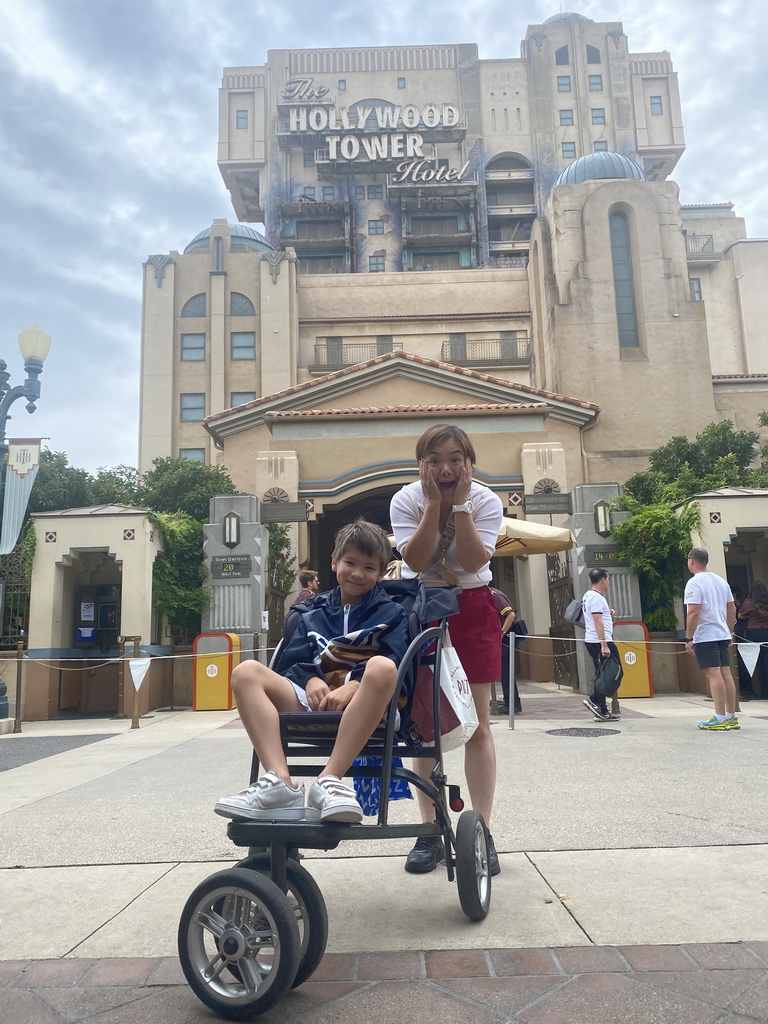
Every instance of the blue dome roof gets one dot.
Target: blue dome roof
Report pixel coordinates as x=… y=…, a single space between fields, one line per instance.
x=600 y=165
x=241 y=234
x=564 y=16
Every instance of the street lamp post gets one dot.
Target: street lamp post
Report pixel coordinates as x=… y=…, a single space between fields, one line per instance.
x=34 y=344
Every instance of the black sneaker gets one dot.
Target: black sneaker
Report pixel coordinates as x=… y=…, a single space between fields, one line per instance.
x=518 y=709
x=426 y=855
x=493 y=857
x=503 y=709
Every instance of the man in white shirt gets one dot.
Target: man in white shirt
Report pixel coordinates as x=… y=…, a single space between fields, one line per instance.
x=709 y=623
x=598 y=637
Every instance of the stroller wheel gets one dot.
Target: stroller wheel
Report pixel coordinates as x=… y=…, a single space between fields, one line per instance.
x=238 y=943
x=473 y=872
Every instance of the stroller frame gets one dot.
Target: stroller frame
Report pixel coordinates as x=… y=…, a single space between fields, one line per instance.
x=249 y=934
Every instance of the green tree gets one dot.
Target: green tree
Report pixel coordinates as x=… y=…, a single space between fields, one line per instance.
x=58 y=485
x=118 y=486
x=180 y=485
x=178 y=577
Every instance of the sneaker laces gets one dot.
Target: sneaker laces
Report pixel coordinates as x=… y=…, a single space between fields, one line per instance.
x=427 y=842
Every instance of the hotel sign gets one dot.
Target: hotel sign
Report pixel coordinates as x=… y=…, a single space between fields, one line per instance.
x=383 y=131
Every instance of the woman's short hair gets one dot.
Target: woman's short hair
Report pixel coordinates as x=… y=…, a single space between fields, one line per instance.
x=366 y=537
x=441 y=433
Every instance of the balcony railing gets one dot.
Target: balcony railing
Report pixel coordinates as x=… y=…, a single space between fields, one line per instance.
x=701 y=249
x=506 y=261
x=336 y=356
x=491 y=352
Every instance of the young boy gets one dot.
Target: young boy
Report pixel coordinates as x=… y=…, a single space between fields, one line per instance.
x=342 y=656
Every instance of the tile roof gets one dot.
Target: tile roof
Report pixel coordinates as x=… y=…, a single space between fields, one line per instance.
x=373 y=410
x=458 y=371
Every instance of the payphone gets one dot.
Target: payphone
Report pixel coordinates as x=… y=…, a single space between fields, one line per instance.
x=97 y=616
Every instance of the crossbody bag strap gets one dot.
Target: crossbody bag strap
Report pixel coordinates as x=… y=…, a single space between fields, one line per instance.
x=438 y=562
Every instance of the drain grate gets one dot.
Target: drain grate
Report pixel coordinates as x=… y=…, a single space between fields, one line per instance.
x=587 y=733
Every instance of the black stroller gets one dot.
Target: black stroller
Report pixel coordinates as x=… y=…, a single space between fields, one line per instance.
x=250 y=933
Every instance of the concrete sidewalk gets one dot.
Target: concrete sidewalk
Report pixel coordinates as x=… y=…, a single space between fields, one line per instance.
x=633 y=874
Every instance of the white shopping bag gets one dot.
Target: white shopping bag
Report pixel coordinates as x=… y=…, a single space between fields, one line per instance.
x=456 y=689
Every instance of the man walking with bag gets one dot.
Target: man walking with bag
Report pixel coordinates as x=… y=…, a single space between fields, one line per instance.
x=598 y=638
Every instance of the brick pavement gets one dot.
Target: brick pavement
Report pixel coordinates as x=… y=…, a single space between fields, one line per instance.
x=723 y=983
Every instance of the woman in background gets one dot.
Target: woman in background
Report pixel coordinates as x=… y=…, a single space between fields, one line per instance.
x=752 y=624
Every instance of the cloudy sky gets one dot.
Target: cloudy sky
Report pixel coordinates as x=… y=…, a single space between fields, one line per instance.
x=108 y=127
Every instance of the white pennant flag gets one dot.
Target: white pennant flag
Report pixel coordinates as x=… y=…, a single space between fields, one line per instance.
x=139 y=668
x=749 y=654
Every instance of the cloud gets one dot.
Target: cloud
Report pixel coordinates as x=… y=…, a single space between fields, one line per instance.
x=108 y=134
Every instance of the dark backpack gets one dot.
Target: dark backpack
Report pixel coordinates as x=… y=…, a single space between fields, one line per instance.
x=574 y=613
x=609 y=676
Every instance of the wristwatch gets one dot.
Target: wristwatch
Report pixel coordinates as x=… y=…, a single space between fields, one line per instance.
x=466 y=507
x=689 y=639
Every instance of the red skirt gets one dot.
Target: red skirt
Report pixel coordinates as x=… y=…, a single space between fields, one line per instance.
x=476 y=635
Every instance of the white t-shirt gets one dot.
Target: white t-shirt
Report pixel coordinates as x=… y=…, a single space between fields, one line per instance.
x=595 y=604
x=406 y=511
x=713 y=595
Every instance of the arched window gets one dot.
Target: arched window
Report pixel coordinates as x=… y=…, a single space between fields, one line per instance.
x=194 y=306
x=240 y=305
x=626 y=313
x=561 y=55
x=593 y=55
x=508 y=163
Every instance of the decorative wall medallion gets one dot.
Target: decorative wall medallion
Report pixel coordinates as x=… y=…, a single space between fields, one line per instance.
x=50 y=537
x=129 y=535
x=274 y=259
x=160 y=263
x=538 y=38
x=310 y=506
x=547 y=486
x=275 y=494
x=715 y=517
x=514 y=499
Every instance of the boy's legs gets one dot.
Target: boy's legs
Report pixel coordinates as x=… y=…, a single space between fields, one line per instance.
x=362 y=714
x=261 y=694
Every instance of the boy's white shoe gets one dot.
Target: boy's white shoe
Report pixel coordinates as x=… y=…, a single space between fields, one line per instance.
x=269 y=799
x=334 y=800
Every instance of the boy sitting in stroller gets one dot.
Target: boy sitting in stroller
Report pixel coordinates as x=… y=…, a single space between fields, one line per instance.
x=342 y=656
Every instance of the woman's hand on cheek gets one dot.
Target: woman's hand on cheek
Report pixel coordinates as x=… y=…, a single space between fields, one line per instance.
x=464 y=483
x=428 y=484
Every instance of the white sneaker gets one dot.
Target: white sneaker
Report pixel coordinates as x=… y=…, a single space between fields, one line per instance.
x=334 y=800
x=270 y=798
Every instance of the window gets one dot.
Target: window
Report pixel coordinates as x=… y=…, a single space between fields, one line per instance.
x=598 y=115
x=601 y=146
x=341 y=85
x=457 y=346
x=375 y=191
x=359 y=192
x=569 y=150
x=563 y=83
x=241 y=397
x=401 y=83
x=383 y=344
x=240 y=305
x=657 y=107
x=375 y=227
x=192 y=348
x=323 y=264
x=193 y=454
x=194 y=306
x=192 y=408
x=329 y=193
x=242 y=345
x=561 y=55
x=566 y=117
x=437 y=261
x=626 y=316
x=593 y=55
x=595 y=83
x=309 y=158
x=241 y=119
x=695 y=283
x=308 y=192
x=375 y=264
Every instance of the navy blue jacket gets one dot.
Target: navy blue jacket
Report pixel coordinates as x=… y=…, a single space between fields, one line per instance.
x=331 y=636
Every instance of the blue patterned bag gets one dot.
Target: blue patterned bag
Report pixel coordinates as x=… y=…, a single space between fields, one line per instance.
x=368 y=791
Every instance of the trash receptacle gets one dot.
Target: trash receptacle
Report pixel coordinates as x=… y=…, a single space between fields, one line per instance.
x=631 y=638
x=215 y=656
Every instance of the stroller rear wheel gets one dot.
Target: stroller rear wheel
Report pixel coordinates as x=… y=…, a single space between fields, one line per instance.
x=473 y=872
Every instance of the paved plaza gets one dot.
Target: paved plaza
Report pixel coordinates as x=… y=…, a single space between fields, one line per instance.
x=633 y=882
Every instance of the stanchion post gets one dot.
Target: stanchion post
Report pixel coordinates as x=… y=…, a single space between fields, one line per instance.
x=19 y=666
x=121 y=678
x=136 y=654
x=511 y=701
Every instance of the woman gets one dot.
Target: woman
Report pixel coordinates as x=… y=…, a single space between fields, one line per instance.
x=446 y=527
x=752 y=624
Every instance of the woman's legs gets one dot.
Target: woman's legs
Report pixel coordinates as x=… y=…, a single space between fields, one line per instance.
x=480 y=756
